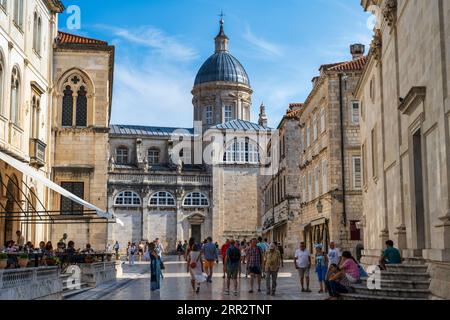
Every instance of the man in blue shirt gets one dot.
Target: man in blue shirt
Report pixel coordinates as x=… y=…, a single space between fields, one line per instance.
x=390 y=255
x=210 y=254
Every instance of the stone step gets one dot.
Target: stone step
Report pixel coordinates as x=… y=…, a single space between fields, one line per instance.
x=402 y=284
x=71 y=293
x=407 y=276
x=392 y=292
x=406 y=268
x=354 y=296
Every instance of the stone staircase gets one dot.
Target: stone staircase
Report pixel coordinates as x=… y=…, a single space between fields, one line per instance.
x=70 y=292
x=398 y=282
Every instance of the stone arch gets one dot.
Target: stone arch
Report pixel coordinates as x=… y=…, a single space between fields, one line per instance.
x=75 y=103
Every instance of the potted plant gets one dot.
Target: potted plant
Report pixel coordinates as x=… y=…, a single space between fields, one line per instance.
x=3 y=261
x=51 y=261
x=23 y=260
x=109 y=257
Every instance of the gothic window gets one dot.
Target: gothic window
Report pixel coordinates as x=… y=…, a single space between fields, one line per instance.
x=15 y=95
x=81 y=113
x=67 y=109
x=67 y=205
x=122 y=155
x=153 y=156
x=196 y=199
x=128 y=199
x=162 y=199
x=242 y=151
x=18 y=13
x=209 y=115
x=75 y=101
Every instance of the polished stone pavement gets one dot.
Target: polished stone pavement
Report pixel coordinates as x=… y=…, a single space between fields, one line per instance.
x=135 y=285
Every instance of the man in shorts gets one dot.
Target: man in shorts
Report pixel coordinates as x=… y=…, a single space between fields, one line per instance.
x=232 y=262
x=211 y=255
x=254 y=262
x=302 y=262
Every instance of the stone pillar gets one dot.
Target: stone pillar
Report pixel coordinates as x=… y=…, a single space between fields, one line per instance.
x=179 y=213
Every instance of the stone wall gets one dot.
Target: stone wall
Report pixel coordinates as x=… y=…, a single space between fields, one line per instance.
x=408 y=109
x=30 y=284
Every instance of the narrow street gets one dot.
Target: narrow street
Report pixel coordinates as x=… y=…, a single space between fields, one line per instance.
x=135 y=285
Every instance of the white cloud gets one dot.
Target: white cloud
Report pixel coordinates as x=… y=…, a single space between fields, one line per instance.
x=262 y=45
x=155 y=39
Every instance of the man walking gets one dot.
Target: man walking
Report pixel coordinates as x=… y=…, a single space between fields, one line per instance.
x=262 y=245
x=302 y=262
x=116 y=248
x=272 y=263
x=223 y=253
x=211 y=255
x=232 y=262
x=255 y=262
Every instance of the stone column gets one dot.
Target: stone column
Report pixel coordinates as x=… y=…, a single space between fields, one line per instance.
x=179 y=213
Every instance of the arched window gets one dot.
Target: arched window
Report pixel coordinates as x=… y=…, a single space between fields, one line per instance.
x=162 y=199
x=153 y=156
x=122 y=156
x=196 y=199
x=67 y=109
x=75 y=101
x=81 y=115
x=18 y=13
x=241 y=151
x=37 y=33
x=127 y=198
x=15 y=95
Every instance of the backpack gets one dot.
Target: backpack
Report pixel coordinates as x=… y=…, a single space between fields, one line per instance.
x=234 y=255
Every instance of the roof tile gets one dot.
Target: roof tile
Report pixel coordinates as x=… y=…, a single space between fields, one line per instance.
x=67 y=38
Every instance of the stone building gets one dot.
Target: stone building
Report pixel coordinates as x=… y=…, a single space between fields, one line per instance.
x=27 y=30
x=405 y=121
x=32 y=101
x=280 y=187
x=81 y=110
x=174 y=183
x=330 y=158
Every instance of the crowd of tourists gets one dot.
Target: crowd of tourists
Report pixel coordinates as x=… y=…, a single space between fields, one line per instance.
x=256 y=259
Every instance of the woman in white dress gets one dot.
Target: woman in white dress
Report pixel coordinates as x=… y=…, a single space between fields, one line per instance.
x=195 y=268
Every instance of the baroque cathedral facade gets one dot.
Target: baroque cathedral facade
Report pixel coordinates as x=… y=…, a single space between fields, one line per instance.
x=178 y=183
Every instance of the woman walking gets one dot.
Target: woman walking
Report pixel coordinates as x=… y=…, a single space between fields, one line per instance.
x=155 y=268
x=321 y=266
x=195 y=268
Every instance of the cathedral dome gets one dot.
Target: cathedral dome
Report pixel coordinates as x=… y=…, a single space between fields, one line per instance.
x=222 y=66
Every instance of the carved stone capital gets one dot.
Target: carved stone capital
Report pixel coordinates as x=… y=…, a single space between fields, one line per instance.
x=376 y=45
x=389 y=11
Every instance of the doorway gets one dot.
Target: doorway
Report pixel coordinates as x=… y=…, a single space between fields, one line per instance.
x=418 y=190
x=196 y=233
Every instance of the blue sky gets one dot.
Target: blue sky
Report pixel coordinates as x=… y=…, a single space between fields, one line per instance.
x=161 y=44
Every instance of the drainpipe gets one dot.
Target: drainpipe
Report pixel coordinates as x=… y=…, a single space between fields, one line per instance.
x=341 y=110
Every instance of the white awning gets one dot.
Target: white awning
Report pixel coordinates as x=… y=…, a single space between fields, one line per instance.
x=28 y=171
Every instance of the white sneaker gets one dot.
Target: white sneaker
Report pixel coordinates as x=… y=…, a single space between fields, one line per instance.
x=236 y=293
x=227 y=293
